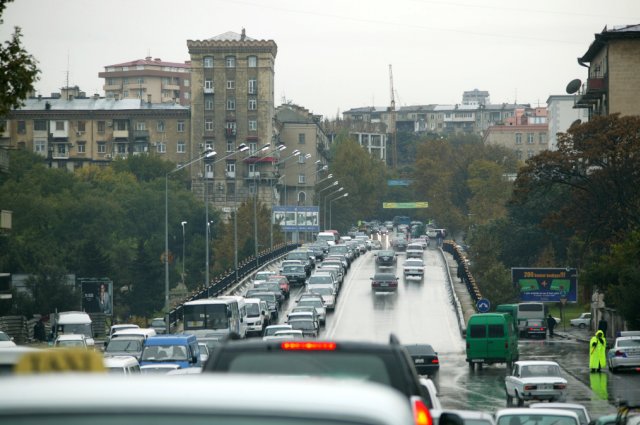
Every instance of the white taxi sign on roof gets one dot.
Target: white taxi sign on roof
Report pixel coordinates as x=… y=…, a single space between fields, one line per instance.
x=60 y=360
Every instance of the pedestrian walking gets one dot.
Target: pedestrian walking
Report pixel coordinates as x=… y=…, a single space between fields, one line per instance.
x=551 y=323
x=597 y=352
x=602 y=325
x=39 y=333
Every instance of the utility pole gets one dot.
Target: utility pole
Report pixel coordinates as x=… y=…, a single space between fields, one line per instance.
x=392 y=123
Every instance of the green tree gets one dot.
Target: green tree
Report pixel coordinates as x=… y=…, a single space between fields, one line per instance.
x=19 y=69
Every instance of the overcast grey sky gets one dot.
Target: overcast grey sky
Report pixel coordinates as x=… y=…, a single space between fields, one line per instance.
x=334 y=55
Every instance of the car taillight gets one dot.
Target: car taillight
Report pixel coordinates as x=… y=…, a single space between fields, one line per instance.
x=530 y=387
x=421 y=413
x=308 y=346
x=559 y=386
x=620 y=353
x=435 y=361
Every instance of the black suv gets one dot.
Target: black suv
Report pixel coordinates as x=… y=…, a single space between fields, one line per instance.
x=296 y=275
x=387 y=364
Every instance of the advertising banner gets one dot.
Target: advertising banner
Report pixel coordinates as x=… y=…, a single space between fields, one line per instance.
x=293 y=218
x=546 y=285
x=97 y=295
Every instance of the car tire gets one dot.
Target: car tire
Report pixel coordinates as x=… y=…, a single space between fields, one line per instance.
x=582 y=326
x=509 y=400
x=519 y=401
x=471 y=366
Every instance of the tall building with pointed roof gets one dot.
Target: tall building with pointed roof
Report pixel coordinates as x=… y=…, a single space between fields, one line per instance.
x=232 y=102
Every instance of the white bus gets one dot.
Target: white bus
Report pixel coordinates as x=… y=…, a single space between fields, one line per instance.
x=530 y=310
x=213 y=316
x=242 y=310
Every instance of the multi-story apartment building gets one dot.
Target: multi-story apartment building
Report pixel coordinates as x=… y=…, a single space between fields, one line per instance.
x=298 y=174
x=73 y=132
x=525 y=133
x=613 y=80
x=151 y=80
x=560 y=115
x=232 y=103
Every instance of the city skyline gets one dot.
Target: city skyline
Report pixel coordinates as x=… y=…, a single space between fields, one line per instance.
x=333 y=56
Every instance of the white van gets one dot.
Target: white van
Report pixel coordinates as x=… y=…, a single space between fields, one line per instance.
x=258 y=316
x=242 y=310
x=144 y=332
x=74 y=322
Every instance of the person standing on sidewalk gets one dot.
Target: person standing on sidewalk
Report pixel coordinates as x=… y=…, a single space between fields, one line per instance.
x=551 y=323
x=597 y=352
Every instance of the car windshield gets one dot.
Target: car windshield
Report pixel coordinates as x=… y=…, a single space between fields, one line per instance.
x=271 y=330
x=293 y=269
x=303 y=324
x=311 y=302
x=315 y=279
x=157 y=322
x=4 y=337
x=540 y=370
x=71 y=343
x=164 y=353
x=253 y=310
x=124 y=345
x=533 y=419
x=413 y=263
x=386 y=253
x=322 y=291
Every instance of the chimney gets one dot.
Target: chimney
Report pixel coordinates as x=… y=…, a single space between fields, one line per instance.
x=243 y=35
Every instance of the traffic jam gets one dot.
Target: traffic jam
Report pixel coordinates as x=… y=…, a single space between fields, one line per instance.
x=360 y=328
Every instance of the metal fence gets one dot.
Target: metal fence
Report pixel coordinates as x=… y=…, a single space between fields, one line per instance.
x=463 y=269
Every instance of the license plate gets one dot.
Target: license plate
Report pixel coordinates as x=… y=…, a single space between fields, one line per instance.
x=477 y=360
x=419 y=361
x=384 y=284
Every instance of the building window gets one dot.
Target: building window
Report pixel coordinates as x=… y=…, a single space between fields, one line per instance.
x=185 y=82
x=81 y=126
x=101 y=126
x=301 y=178
x=542 y=138
x=518 y=138
x=140 y=80
x=231 y=146
x=230 y=61
x=207 y=62
x=208 y=84
x=231 y=167
x=252 y=61
x=161 y=147
x=208 y=125
x=530 y=138
x=121 y=148
x=231 y=84
x=208 y=104
x=253 y=86
x=141 y=125
x=253 y=147
x=160 y=126
x=182 y=146
x=187 y=95
x=253 y=104
x=125 y=80
x=22 y=127
x=253 y=125
x=301 y=159
x=530 y=153
x=208 y=145
x=40 y=146
x=302 y=198
x=59 y=125
x=231 y=128
x=231 y=104
x=301 y=138
x=180 y=126
x=38 y=125
x=82 y=147
x=102 y=147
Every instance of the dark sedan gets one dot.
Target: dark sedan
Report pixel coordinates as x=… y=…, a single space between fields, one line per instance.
x=384 y=282
x=425 y=359
x=536 y=328
x=385 y=258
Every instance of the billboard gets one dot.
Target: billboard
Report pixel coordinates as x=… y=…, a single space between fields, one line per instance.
x=293 y=218
x=546 y=285
x=97 y=295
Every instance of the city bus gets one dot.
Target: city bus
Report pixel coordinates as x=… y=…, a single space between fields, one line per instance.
x=213 y=316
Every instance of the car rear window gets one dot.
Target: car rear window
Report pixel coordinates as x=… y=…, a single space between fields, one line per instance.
x=496 y=331
x=477 y=331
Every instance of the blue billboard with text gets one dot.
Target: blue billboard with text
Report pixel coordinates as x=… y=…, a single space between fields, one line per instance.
x=293 y=218
x=546 y=284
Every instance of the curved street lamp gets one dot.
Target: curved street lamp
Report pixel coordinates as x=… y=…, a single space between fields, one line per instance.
x=324 y=206
x=331 y=202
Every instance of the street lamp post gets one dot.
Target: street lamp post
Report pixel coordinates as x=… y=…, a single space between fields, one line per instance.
x=332 y=185
x=207 y=154
x=295 y=153
x=183 y=250
x=331 y=202
x=325 y=204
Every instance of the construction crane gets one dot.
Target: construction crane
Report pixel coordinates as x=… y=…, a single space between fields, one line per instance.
x=392 y=123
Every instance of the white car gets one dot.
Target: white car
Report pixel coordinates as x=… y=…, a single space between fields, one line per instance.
x=625 y=352
x=71 y=341
x=271 y=330
x=579 y=409
x=413 y=267
x=211 y=398
x=6 y=340
x=526 y=416
x=581 y=321
x=535 y=380
x=471 y=417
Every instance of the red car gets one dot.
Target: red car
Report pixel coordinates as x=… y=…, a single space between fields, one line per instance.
x=283 y=282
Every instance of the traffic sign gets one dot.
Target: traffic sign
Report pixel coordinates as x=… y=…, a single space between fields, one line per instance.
x=483 y=305
x=405 y=205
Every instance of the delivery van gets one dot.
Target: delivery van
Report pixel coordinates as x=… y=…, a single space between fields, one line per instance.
x=74 y=322
x=491 y=338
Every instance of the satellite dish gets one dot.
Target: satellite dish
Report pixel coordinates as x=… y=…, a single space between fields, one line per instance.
x=573 y=86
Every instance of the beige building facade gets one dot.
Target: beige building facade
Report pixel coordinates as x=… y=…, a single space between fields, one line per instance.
x=150 y=79
x=232 y=105
x=74 y=133
x=613 y=80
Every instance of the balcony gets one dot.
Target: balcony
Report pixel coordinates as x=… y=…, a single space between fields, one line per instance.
x=591 y=92
x=141 y=134
x=171 y=87
x=208 y=90
x=230 y=132
x=120 y=134
x=253 y=175
x=230 y=174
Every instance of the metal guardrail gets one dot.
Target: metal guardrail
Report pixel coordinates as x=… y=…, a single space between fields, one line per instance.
x=454 y=297
x=223 y=282
x=463 y=270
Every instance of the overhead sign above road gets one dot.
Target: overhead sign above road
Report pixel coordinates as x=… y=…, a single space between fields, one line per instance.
x=399 y=182
x=405 y=205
